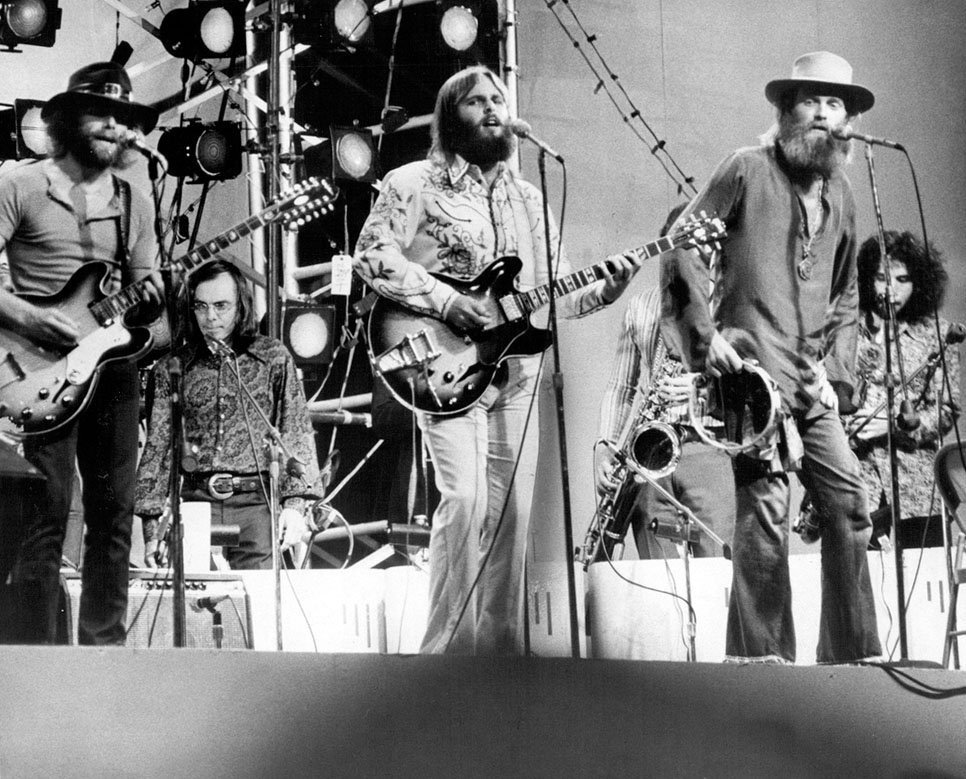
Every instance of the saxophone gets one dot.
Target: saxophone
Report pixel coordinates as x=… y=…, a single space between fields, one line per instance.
x=653 y=444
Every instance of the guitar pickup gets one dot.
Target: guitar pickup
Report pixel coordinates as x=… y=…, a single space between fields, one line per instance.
x=413 y=351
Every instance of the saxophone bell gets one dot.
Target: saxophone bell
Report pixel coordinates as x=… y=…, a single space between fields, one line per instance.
x=655 y=448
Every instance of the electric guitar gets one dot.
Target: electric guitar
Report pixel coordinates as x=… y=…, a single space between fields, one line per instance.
x=429 y=366
x=42 y=387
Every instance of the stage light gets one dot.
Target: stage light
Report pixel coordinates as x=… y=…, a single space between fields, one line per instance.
x=23 y=134
x=331 y=25
x=351 y=19
x=207 y=29
x=29 y=22
x=458 y=25
x=203 y=151
x=308 y=330
x=353 y=154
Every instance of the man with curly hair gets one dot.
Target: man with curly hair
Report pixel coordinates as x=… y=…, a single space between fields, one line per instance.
x=918 y=281
x=456 y=212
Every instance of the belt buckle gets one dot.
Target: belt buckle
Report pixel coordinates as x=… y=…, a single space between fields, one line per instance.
x=213 y=489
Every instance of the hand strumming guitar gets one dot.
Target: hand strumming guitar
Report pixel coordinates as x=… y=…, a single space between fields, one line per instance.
x=466 y=313
x=48 y=325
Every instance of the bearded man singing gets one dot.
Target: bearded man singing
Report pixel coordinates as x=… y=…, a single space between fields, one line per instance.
x=455 y=213
x=786 y=284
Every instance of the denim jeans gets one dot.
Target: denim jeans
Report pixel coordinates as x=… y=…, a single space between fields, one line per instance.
x=104 y=440
x=480 y=525
x=760 y=621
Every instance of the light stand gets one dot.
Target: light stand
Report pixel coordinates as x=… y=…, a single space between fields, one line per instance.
x=891 y=334
x=561 y=426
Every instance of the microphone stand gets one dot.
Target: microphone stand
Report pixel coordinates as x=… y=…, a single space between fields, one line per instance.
x=891 y=334
x=561 y=427
x=175 y=545
x=276 y=447
x=680 y=533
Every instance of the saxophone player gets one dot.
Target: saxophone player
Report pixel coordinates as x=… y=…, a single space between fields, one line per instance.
x=702 y=480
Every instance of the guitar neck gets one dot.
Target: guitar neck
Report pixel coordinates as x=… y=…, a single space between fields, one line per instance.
x=533 y=299
x=121 y=302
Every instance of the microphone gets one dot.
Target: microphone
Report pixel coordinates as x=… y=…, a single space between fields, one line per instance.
x=311 y=271
x=209 y=602
x=523 y=129
x=846 y=133
x=132 y=140
x=908 y=418
x=956 y=333
x=220 y=348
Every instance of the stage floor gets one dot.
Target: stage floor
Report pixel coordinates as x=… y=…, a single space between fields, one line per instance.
x=82 y=712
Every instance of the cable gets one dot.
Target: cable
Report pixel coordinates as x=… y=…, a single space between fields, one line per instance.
x=660 y=145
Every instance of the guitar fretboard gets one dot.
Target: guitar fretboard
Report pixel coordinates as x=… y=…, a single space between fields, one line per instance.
x=534 y=298
x=301 y=202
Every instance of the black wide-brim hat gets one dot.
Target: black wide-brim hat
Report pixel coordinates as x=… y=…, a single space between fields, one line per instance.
x=824 y=71
x=103 y=86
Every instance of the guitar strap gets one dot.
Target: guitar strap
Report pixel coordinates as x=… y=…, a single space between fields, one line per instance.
x=123 y=253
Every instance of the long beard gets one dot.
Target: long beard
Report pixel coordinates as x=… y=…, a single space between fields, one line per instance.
x=484 y=150
x=811 y=155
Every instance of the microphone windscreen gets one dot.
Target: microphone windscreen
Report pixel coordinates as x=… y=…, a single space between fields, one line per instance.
x=520 y=128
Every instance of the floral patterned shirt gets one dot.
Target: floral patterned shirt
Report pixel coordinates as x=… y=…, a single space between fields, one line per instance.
x=916 y=449
x=219 y=420
x=434 y=217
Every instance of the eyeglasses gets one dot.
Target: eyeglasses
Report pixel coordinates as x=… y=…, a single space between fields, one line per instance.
x=221 y=307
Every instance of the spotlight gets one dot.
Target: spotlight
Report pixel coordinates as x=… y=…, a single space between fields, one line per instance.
x=206 y=29
x=203 y=151
x=353 y=154
x=29 y=22
x=351 y=19
x=308 y=332
x=22 y=131
x=458 y=24
x=330 y=24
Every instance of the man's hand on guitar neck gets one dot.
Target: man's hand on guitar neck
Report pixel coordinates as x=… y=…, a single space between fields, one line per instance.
x=48 y=325
x=618 y=270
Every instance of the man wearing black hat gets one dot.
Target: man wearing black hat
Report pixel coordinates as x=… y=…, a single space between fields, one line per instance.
x=786 y=286
x=55 y=215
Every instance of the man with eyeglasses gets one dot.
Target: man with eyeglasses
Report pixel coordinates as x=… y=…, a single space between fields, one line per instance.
x=223 y=356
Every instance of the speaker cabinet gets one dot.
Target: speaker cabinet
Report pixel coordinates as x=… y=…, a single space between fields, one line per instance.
x=210 y=599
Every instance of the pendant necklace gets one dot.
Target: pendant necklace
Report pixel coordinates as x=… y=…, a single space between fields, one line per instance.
x=806 y=264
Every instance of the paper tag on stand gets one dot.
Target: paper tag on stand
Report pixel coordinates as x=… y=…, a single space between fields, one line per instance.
x=341 y=274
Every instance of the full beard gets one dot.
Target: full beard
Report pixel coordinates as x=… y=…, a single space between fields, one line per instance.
x=811 y=155
x=94 y=154
x=484 y=150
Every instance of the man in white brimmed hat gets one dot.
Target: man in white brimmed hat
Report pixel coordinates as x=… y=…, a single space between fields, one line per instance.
x=786 y=290
x=57 y=215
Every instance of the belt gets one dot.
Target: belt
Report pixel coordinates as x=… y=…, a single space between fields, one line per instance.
x=222 y=486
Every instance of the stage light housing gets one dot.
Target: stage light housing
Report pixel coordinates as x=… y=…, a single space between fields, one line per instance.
x=23 y=134
x=331 y=24
x=207 y=29
x=353 y=154
x=202 y=151
x=308 y=330
x=458 y=25
x=351 y=19
x=29 y=22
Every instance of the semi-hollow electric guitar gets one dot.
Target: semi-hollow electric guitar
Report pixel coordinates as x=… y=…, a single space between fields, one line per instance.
x=429 y=366
x=43 y=387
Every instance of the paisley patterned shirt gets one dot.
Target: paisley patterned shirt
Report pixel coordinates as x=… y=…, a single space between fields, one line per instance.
x=917 y=448
x=219 y=420
x=434 y=217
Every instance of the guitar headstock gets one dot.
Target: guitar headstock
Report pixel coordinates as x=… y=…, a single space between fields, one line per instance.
x=700 y=230
x=307 y=200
